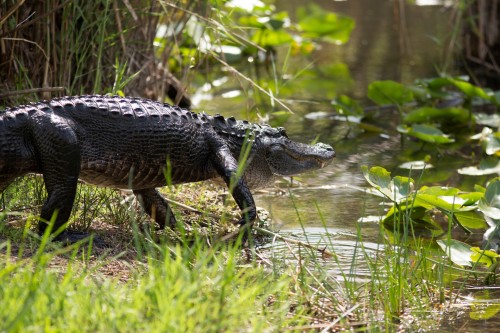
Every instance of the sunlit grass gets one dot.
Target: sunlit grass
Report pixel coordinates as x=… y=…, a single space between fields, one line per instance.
x=139 y=282
x=179 y=289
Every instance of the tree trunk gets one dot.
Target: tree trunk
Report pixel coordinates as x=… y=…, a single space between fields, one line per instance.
x=481 y=41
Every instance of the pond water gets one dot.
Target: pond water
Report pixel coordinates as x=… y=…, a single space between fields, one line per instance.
x=392 y=40
x=379 y=49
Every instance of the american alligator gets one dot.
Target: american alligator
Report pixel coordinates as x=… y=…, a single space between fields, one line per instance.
x=139 y=144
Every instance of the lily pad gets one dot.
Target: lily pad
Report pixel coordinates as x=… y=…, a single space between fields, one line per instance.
x=490 y=203
x=432 y=115
x=458 y=252
x=470 y=220
x=447 y=203
x=389 y=92
x=470 y=90
x=492 y=120
x=484 y=313
x=488 y=166
x=395 y=189
x=492 y=146
x=422 y=223
x=425 y=133
x=318 y=115
x=347 y=106
x=465 y=87
x=416 y=165
x=448 y=199
x=439 y=190
x=379 y=178
x=486 y=257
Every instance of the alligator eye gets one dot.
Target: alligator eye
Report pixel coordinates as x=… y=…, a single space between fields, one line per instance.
x=282 y=131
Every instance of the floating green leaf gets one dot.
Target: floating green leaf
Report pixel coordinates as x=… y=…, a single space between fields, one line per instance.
x=379 y=178
x=395 y=189
x=402 y=186
x=492 y=146
x=470 y=90
x=416 y=165
x=465 y=87
x=422 y=224
x=458 y=252
x=471 y=198
x=433 y=115
x=389 y=92
x=486 y=257
x=439 y=190
x=492 y=120
x=425 y=133
x=446 y=203
x=490 y=203
x=274 y=22
x=481 y=312
x=487 y=166
x=470 y=220
x=347 y=106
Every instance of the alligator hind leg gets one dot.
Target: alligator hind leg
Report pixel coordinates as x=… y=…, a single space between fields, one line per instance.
x=58 y=155
x=156 y=206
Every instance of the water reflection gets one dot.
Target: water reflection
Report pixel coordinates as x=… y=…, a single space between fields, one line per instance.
x=350 y=261
x=478 y=311
x=393 y=40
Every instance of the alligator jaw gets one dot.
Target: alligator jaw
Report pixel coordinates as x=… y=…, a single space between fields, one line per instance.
x=291 y=158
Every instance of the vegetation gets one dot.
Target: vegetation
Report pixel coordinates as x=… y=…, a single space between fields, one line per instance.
x=189 y=280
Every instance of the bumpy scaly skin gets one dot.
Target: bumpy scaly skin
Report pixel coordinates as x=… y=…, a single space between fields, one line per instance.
x=137 y=144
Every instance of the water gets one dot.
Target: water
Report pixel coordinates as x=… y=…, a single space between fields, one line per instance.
x=392 y=40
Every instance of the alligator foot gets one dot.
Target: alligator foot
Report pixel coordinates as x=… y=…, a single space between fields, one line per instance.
x=69 y=237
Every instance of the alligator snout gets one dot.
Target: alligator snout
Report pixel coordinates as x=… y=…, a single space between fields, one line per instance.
x=325 y=151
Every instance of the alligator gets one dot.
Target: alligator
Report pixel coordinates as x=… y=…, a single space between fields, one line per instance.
x=139 y=144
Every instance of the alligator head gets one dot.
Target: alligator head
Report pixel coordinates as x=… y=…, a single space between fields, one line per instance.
x=287 y=158
x=272 y=153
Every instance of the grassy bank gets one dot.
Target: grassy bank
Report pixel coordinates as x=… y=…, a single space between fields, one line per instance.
x=137 y=282
x=176 y=289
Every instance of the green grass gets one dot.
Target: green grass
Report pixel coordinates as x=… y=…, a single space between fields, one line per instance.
x=177 y=290
x=153 y=283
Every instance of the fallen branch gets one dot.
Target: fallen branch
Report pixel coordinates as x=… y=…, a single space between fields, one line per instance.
x=191 y=209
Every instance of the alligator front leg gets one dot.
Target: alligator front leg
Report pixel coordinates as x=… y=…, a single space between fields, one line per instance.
x=227 y=167
x=155 y=205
